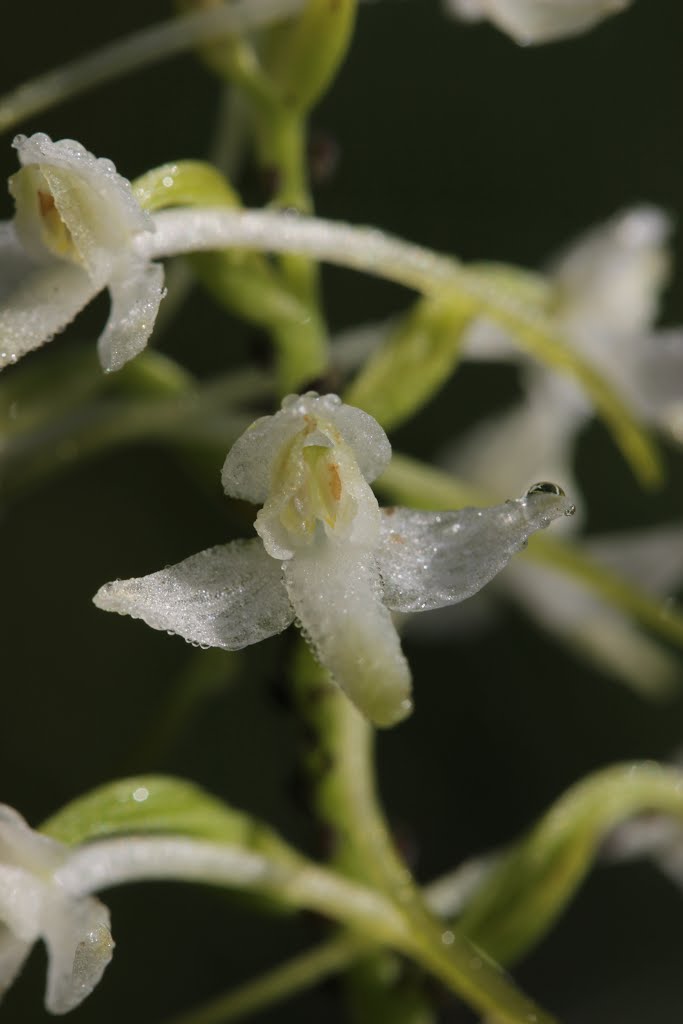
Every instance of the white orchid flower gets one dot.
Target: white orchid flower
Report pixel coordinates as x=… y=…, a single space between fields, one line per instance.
x=72 y=235
x=537 y=21
x=608 y=287
x=39 y=899
x=327 y=556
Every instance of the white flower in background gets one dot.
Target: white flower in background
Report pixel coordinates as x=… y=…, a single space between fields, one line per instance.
x=72 y=235
x=537 y=21
x=327 y=556
x=35 y=903
x=607 y=288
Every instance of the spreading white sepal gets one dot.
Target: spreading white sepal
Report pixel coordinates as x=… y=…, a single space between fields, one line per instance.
x=72 y=235
x=323 y=555
x=429 y=560
x=228 y=596
x=538 y=21
x=607 y=287
x=35 y=903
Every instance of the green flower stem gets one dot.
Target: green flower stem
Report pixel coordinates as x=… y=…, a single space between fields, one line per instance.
x=138 y=50
x=445 y=896
x=374 y=252
x=408 y=481
x=245 y=282
x=261 y=296
x=534 y=881
x=346 y=799
x=293 y=976
x=300 y=58
x=281 y=147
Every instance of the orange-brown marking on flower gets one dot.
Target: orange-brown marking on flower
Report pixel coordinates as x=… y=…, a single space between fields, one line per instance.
x=46 y=202
x=335 y=480
x=397 y=538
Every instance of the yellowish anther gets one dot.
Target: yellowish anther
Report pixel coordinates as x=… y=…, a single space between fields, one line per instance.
x=38 y=217
x=55 y=232
x=317 y=498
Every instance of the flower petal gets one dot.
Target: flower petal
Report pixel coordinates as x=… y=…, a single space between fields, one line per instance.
x=335 y=592
x=660 y=381
x=41 y=305
x=611 y=277
x=431 y=559
x=248 y=469
x=80 y=946
x=95 y=203
x=13 y=953
x=368 y=440
x=136 y=292
x=651 y=558
x=228 y=596
x=531 y=441
x=541 y=21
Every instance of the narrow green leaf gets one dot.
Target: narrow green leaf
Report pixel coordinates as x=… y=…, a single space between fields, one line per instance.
x=159 y=804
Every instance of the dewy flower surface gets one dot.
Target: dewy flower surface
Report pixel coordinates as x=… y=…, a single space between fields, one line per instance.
x=72 y=236
x=607 y=287
x=538 y=21
x=327 y=556
x=35 y=903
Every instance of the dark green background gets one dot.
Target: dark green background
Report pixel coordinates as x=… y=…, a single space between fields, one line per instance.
x=458 y=139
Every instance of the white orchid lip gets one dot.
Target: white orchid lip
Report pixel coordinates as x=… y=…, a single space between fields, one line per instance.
x=73 y=234
x=327 y=556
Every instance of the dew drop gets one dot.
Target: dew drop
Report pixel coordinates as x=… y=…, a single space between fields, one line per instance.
x=140 y=794
x=545 y=487
x=448 y=938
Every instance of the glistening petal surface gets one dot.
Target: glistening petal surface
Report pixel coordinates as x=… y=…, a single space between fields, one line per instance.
x=335 y=592
x=13 y=953
x=228 y=596
x=541 y=21
x=80 y=947
x=40 y=306
x=431 y=559
x=249 y=466
x=136 y=291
